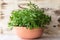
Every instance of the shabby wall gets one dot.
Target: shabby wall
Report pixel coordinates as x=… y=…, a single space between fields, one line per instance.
x=51 y=7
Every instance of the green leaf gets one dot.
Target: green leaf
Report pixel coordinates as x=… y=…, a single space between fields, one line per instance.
x=32 y=17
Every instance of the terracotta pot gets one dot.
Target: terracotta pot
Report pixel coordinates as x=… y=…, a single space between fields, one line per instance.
x=22 y=32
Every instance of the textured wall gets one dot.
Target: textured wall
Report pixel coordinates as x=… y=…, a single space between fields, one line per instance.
x=51 y=7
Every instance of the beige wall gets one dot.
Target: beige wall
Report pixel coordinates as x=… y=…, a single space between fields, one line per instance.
x=55 y=4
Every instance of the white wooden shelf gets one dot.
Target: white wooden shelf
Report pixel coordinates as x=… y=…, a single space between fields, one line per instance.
x=14 y=37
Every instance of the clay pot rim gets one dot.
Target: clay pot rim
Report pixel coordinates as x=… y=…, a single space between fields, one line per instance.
x=28 y=28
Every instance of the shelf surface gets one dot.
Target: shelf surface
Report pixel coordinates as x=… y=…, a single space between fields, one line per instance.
x=15 y=37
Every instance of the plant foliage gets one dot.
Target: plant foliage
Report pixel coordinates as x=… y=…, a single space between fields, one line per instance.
x=32 y=17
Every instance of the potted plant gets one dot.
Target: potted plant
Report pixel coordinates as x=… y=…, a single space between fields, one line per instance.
x=29 y=22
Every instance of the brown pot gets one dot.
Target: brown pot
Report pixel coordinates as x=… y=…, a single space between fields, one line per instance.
x=27 y=33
